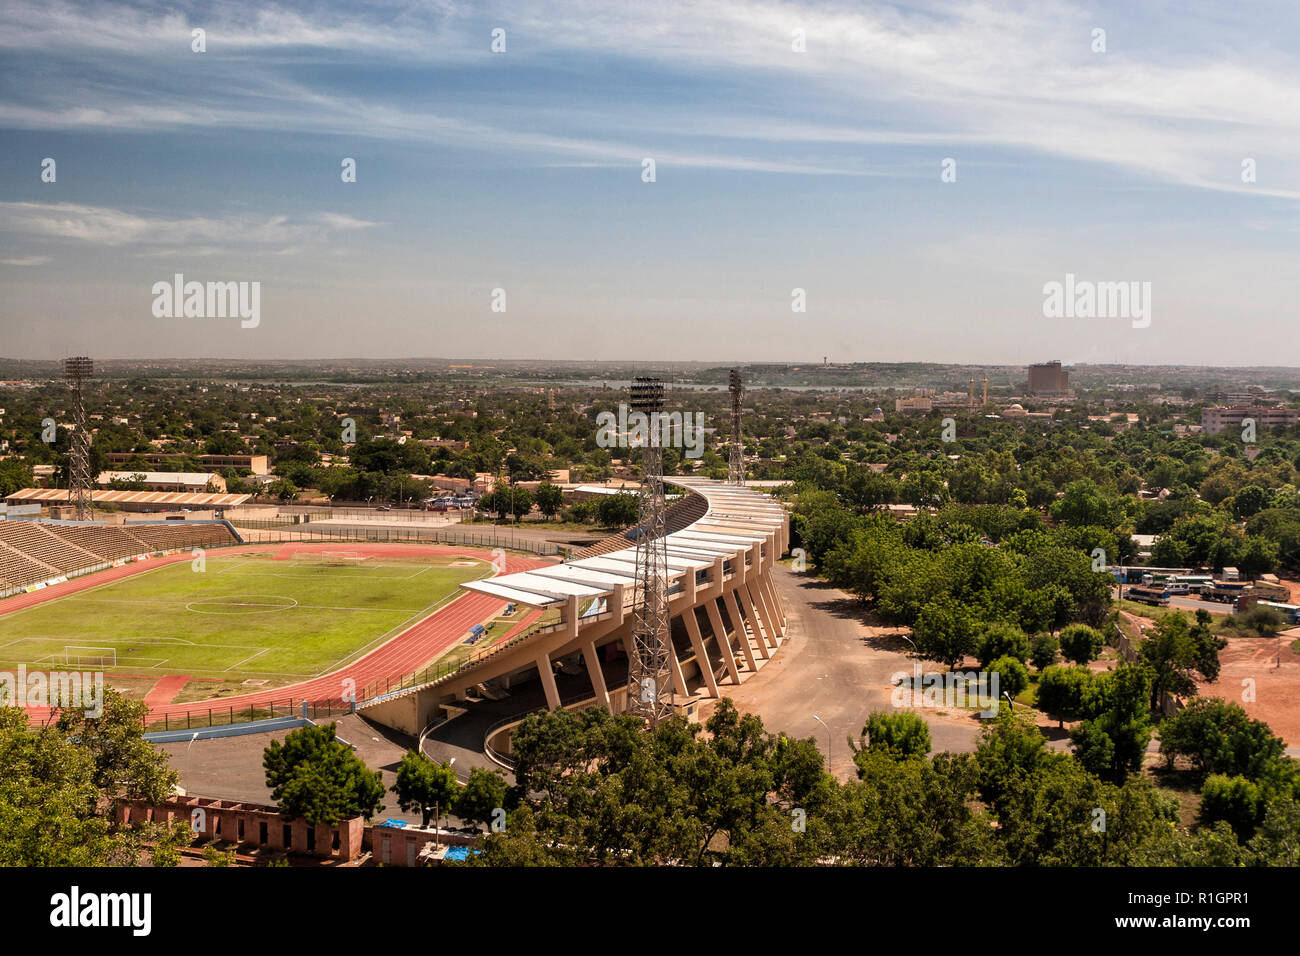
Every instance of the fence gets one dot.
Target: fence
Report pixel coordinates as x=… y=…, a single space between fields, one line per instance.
x=202 y=717
x=286 y=529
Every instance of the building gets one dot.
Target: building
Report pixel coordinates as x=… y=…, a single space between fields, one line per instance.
x=1049 y=380
x=1218 y=417
x=921 y=402
x=194 y=482
x=726 y=619
x=255 y=464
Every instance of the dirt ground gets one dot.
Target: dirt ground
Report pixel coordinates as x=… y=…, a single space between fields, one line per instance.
x=1250 y=676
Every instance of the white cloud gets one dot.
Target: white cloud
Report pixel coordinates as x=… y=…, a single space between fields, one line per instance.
x=1018 y=76
x=198 y=235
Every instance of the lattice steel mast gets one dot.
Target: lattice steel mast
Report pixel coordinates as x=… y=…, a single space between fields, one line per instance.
x=77 y=372
x=650 y=688
x=735 y=461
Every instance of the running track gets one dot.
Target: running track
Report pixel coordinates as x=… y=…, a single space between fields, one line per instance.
x=401 y=655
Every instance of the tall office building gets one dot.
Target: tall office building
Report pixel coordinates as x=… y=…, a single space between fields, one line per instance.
x=1049 y=380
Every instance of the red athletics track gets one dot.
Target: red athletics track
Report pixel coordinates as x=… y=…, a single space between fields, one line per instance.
x=399 y=656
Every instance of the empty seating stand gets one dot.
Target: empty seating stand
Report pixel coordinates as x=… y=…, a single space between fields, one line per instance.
x=31 y=551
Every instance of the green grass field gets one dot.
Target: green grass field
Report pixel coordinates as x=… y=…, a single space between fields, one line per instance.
x=244 y=616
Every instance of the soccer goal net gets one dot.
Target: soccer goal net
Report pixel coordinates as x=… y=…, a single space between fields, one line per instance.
x=78 y=657
x=342 y=557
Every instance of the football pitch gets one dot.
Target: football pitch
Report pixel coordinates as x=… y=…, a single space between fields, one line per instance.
x=243 y=616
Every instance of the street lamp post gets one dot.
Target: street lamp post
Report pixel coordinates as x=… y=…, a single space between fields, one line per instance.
x=829 y=741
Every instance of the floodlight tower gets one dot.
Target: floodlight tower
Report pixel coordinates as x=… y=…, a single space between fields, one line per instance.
x=649 y=683
x=735 y=462
x=77 y=373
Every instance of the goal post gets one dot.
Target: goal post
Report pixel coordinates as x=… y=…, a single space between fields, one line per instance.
x=342 y=557
x=79 y=656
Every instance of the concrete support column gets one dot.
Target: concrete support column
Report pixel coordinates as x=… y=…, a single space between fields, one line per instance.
x=674 y=665
x=701 y=656
x=770 y=613
x=733 y=611
x=716 y=574
x=616 y=602
x=594 y=672
x=756 y=622
x=570 y=616
x=775 y=601
x=762 y=612
x=720 y=635
x=548 y=680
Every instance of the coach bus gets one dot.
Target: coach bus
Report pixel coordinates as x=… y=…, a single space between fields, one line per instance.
x=1148 y=595
x=1290 y=611
x=1225 y=592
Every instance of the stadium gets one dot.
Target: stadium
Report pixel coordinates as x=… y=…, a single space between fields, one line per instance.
x=211 y=623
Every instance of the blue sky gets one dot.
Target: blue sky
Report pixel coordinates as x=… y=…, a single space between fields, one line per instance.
x=775 y=170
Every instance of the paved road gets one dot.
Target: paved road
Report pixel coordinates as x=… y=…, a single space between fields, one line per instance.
x=835 y=665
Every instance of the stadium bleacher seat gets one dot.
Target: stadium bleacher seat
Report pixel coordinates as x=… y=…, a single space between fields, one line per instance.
x=32 y=551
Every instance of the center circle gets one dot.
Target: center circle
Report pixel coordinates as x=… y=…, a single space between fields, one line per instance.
x=242 y=604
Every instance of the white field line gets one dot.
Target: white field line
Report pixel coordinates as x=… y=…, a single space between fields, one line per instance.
x=408 y=623
x=249 y=658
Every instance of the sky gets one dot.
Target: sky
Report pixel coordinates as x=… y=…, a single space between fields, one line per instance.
x=921 y=172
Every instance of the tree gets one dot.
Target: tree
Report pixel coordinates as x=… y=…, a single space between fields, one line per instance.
x=1082 y=503
x=1011 y=747
x=1043 y=651
x=1234 y=799
x=1219 y=738
x=1062 y=692
x=1013 y=678
x=15 y=475
x=482 y=796
x=945 y=631
x=283 y=489
x=549 y=499
x=618 y=510
x=900 y=735
x=52 y=810
x=1081 y=643
x=1115 y=708
x=1003 y=640
x=317 y=777
x=1249 y=501
x=910 y=813
x=124 y=764
x=1175 y=654
x=425 y=786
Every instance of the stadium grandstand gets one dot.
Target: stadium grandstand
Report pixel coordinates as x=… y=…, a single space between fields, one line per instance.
x=131 y=500
x=726 y=621
x=36 y=553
